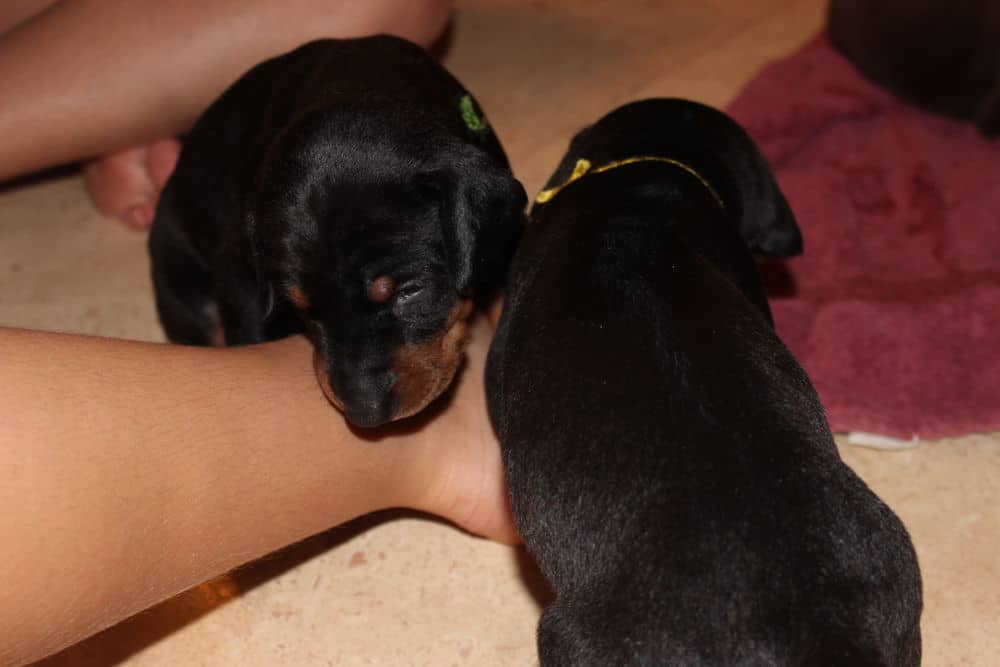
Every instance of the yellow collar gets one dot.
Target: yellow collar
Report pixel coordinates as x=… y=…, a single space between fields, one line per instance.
x=583 y=167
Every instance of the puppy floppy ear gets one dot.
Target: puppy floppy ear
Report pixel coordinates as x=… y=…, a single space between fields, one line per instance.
x=265 y=296
x=265 y=290
x=780 y=235
x=768 y=225
x=482 y=217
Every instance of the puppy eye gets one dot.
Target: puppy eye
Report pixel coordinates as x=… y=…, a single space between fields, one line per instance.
x=408 y=291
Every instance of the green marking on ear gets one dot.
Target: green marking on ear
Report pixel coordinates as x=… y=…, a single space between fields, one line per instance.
x=472 y=119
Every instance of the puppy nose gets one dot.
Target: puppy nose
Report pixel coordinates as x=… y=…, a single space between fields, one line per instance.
x=368 y=399
x=369 y=416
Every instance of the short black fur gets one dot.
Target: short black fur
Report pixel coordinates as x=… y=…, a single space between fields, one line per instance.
x=670 y=466
x=315 y=173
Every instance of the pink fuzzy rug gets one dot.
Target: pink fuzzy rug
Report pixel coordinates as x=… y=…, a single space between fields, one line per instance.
x=894 y=309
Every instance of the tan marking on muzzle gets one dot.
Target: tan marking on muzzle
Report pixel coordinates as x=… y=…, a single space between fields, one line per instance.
x=216 y=334
x=425 y=370
x=323 y=377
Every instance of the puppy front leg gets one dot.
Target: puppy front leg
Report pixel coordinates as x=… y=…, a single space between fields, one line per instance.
x=240 y=311
x=184 y=297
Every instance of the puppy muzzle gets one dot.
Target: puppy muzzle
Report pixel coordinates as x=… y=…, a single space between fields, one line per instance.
x=418 y=374
x=366 y=399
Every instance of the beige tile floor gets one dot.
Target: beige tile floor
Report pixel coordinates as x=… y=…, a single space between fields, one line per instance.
x=404 y=590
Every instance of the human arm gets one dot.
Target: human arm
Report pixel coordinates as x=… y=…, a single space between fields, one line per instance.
x=132 y=471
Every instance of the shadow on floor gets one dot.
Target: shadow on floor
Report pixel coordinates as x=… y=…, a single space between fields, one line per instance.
x=119 y=642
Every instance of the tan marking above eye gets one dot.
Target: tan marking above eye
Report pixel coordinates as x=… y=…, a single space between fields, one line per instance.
x=298 y=297
x=382 y=289
x=319 y=365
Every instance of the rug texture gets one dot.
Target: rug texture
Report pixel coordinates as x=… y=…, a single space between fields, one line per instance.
x=894 y=308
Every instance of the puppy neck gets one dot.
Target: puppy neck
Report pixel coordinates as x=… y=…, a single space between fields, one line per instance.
x=584 y=167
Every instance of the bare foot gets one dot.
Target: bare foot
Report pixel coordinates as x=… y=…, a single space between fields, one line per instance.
x=459 y=471
x=127 y=184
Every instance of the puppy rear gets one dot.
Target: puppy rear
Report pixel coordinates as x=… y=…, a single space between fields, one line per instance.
x=669 y=464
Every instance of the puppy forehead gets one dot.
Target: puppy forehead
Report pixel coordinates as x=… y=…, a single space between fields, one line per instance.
x=387 y=213
x=351 y=232
x=409 y=244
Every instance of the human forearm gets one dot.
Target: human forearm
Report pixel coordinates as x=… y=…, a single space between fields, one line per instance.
x=129 y=472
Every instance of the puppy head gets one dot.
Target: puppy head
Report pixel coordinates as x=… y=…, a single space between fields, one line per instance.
x=709 y=142
x=382 y=253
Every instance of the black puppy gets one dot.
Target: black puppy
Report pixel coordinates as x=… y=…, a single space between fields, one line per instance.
x=942 y=55
x=351 y=188
x=670 y=466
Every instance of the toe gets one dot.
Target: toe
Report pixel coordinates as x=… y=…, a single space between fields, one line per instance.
x=119 y=182
x=161 y=158
x=139 y=216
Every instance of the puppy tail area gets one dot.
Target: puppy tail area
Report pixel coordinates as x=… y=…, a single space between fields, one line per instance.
x=599 y=637
x=569 y=637
x=563 y=641
x=874 y=651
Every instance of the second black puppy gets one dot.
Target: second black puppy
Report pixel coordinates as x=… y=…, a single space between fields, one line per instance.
x=669 y=464
x=351 y=188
